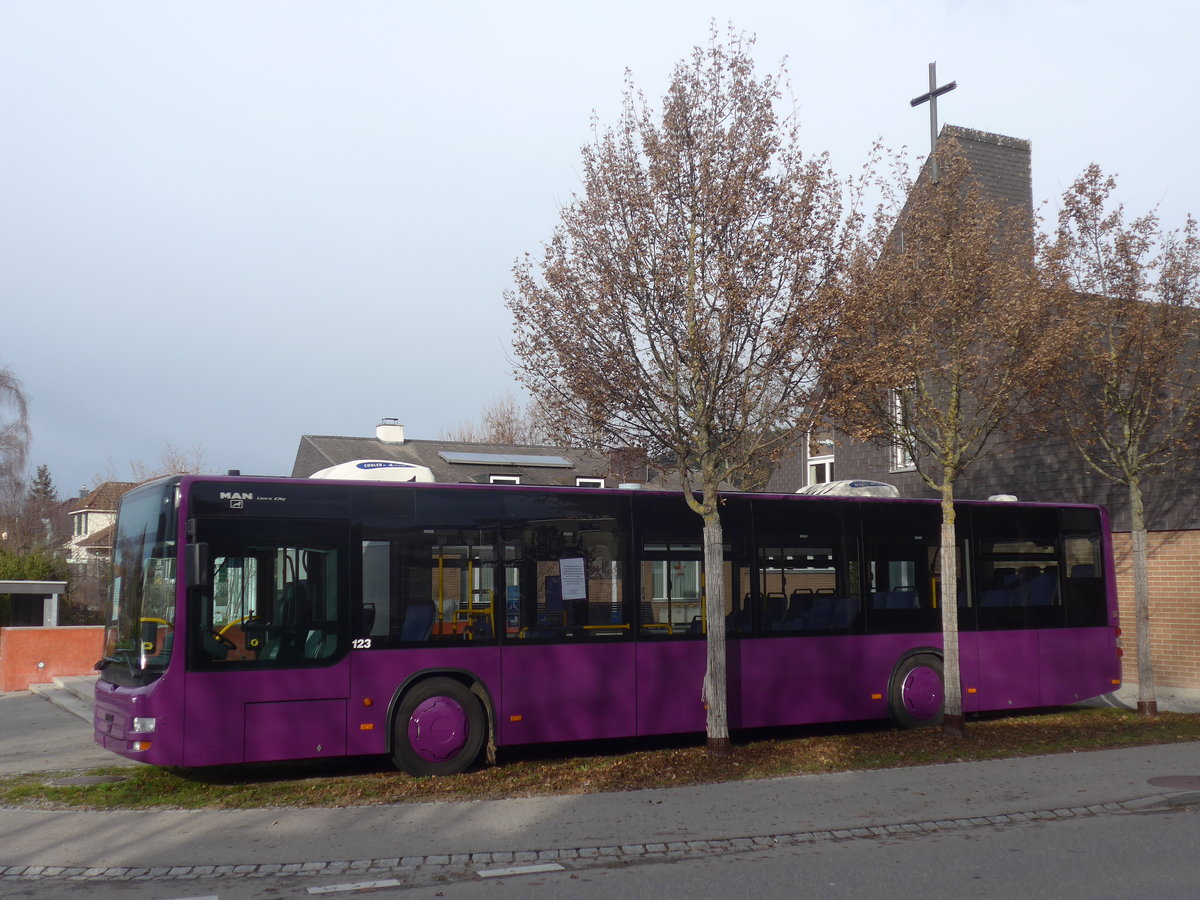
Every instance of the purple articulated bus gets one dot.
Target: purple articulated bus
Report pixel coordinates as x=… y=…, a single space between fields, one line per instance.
x=253 y=620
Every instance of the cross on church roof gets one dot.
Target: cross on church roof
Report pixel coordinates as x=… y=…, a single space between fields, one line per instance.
x=933 y=93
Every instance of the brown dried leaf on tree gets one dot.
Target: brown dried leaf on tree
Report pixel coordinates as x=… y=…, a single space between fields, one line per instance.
x=948 y=333
x=1130 y=398
x=684 y=302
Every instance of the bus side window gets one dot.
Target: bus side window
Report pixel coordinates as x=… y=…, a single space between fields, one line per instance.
x=1018 y=578
x=1083 y=586
x=421 y=585
x=375 y=614
x=672 y=587
x=277 y=596
x=564 y=583
x=564 y=571
x=902 y=585
x=805 y=589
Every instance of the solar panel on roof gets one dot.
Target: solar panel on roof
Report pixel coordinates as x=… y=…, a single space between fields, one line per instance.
x=504 y=459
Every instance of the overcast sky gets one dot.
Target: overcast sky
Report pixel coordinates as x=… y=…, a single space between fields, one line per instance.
x=227 y=223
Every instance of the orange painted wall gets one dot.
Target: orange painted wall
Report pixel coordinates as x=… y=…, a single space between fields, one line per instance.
x=66 y=650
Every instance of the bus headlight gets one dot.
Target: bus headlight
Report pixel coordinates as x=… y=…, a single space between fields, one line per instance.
x=144 y=724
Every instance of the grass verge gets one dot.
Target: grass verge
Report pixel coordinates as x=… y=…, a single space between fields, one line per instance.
x=547 y=771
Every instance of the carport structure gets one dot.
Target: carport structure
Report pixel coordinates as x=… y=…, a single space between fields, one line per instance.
x=47 y=591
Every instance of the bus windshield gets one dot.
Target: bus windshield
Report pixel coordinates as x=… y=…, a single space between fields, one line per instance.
x=140 y=614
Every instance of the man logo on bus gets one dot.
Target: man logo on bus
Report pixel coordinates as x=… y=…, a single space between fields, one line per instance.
x=236 y=498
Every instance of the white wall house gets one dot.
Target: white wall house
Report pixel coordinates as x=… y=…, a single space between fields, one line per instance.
x=92 y=521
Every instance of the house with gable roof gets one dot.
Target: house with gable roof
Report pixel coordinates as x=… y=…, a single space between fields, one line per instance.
x=93 y=521
x=469 y=462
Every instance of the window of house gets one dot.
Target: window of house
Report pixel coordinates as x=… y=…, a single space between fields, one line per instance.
x=581 y=481
x=901 y=457
x=820 y=455
x=504 y=479
x=820 y=470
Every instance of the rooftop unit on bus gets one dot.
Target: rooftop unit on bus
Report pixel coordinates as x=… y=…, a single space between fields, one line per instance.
x=858 y=487
x=377 y=470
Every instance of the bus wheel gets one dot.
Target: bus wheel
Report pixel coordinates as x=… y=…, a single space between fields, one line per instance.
x=916 y=694
x=439 y=728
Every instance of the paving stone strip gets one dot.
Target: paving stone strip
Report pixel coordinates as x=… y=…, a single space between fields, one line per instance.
x=433 y=865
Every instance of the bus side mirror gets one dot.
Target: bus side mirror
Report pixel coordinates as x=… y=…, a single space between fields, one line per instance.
x=196 y=560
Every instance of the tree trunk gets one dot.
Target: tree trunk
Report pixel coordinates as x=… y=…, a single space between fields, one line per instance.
x=953 y=721
x=715 y=679
x=1147 y=703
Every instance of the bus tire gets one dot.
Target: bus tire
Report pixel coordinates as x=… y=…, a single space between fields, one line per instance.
x=439 y=728
x=916 y=694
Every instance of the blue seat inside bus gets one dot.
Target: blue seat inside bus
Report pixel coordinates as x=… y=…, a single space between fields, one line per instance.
x=418 y=621
x=903 y=598
x=1030 y=587
x=818 y=610
x=320 y=644
x=800 y=606
x=740 y=620
x=293 y=632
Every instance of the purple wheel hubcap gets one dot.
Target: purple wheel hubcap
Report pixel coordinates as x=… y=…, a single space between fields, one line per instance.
x=437 y=729
x=922 y=692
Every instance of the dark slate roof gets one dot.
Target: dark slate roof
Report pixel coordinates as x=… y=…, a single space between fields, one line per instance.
x=1000 y=164
x=317 y=452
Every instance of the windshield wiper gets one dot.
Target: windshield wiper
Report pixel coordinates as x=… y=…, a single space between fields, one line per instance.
x=125 y=656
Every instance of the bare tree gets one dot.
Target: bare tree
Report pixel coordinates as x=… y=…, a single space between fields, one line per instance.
x=683 y=304
x=172 y=460
x=466 y=430
x=503 y=420
x=947 y=332
x=1131 y=398
x=14 y=441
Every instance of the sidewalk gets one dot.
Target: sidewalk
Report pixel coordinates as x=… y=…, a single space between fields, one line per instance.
x=711 y=818
x=1169 y=699
x=37 y=736
x=403 y=839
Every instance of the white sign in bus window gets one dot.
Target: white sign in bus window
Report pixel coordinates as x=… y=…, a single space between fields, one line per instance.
x=574 y=578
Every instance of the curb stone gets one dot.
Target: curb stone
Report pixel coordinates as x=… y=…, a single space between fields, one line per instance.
x=580 y=857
